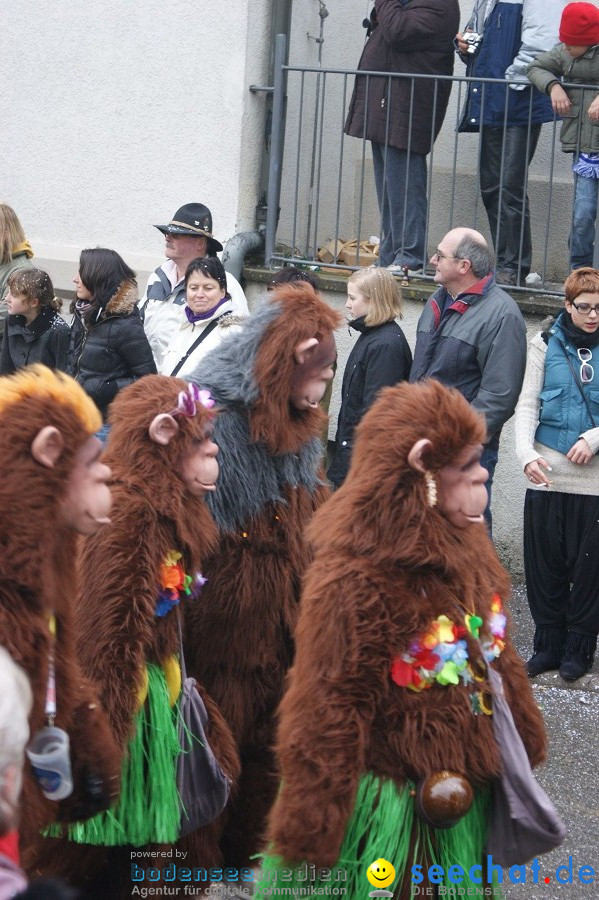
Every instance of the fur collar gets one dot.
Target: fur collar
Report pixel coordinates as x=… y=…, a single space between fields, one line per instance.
x=123 y=302
x=250 y=476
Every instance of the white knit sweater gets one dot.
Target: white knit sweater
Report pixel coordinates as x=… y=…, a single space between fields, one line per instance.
x=567 y=477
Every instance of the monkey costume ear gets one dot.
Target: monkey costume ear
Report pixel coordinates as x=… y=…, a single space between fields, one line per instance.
x=47 y=446
x=302 y=350
x=162 y=429
x=416 y=456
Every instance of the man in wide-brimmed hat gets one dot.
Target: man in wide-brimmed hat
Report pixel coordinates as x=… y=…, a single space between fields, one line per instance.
x=187 y=236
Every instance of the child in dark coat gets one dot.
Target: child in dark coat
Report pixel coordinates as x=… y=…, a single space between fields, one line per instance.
x=33 y=331
x=380 y=357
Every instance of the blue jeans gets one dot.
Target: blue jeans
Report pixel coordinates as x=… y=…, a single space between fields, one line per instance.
x=401 y=190
x=582 y=237
x=488 y=461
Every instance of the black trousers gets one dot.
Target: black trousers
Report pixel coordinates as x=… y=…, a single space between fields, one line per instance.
x=504 y=194
x=561 y=559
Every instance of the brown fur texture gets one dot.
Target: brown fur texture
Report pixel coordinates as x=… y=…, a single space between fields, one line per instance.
x=241 y=638
x=386 y=565
x=303 y=315
x=117 y=629
x=37 y=576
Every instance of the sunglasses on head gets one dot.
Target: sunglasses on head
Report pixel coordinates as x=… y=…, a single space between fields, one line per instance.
x=587 y=372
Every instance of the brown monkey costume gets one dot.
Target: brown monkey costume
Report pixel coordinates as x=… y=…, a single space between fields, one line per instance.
x=127 y=630
x=392 y=578
x=38 y=581
x=239 y=643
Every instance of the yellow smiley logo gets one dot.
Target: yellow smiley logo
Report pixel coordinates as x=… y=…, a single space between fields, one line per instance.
x=380 y=873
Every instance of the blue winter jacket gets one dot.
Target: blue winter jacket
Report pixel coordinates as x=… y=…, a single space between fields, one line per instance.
x=514 y=32
x=563 y=415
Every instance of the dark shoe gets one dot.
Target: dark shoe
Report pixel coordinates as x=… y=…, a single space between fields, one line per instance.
x=548 y=646
x=505 y=277
x=543 y=661
x=574 y=668
x=578 y=655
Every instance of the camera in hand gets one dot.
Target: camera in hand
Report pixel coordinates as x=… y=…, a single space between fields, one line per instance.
x=370 y=23
x=473 y=40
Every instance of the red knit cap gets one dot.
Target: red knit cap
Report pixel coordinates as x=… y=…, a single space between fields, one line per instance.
x=579 y=26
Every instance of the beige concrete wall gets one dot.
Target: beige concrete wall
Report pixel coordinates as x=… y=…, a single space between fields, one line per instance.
x=509 y=485
x=115 y=114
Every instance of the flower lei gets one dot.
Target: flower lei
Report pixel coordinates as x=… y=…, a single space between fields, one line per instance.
x=174 y=583
x=440 y=655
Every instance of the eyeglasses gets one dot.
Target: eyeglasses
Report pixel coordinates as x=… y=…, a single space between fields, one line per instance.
x=440 y=255
x=587 y=372
x=586 y=308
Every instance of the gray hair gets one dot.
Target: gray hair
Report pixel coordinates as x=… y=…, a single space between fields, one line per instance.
x=479 y=255
x=15 y=706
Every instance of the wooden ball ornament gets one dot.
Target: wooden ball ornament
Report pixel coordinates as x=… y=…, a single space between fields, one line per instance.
x=443 y=798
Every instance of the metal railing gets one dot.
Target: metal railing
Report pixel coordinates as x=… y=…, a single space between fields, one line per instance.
x=321 y=185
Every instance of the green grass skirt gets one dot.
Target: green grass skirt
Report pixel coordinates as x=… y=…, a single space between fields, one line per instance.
x=148 y=809
x=384 y=824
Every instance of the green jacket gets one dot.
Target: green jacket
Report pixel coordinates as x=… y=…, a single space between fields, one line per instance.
x=578 y=133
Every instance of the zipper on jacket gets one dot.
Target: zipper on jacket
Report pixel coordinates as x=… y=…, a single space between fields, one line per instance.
x=78 y=363
x=384 y=97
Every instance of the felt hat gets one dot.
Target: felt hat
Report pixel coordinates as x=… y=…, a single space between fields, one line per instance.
x=579 y=26
x=193 y=219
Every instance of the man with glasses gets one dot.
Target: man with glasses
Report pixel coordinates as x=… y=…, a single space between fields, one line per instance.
x=471 y=336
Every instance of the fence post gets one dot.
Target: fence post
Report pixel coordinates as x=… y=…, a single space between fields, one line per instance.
x=276 y=150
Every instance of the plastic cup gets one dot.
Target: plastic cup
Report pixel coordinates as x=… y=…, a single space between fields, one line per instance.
x=48 y=753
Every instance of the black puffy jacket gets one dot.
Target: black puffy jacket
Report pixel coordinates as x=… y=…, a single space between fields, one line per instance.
x=111 y=353
x=380 y=357
x=45 y=340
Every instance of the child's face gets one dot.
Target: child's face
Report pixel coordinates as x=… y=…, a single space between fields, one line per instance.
x=575 y=51
x=357 y=304
x=19 y=305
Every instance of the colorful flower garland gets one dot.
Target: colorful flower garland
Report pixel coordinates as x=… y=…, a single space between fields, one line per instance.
x=174 y=583
x=440 y=656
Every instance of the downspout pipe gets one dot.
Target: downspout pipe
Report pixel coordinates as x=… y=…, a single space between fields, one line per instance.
x=245 y=242
x=236 y=248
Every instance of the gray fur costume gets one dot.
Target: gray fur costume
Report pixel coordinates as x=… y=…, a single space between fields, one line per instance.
x=239 y=637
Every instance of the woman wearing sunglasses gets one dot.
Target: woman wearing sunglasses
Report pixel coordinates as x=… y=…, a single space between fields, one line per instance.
x=557 y=439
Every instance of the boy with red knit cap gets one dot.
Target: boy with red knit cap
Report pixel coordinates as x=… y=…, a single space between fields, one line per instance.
x=576 y=59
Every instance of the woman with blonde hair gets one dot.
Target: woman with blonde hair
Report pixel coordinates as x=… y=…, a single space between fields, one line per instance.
x=380 y=357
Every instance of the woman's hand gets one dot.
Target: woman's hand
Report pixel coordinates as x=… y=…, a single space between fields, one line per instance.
x=580 y=452
x=534 y=471
x=559 y=100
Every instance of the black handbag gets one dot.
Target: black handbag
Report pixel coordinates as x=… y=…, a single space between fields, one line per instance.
x=524 y=822
x=203 y=786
